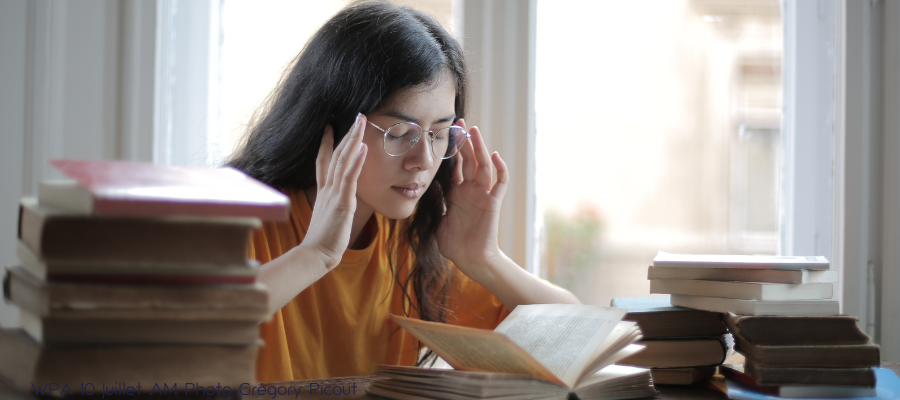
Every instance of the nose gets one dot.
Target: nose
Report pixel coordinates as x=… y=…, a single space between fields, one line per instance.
x=420 y=157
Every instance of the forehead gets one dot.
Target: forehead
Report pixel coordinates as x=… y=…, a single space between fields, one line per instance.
x=424 y=103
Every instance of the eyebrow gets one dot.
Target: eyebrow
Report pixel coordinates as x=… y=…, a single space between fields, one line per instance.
x=401 y=116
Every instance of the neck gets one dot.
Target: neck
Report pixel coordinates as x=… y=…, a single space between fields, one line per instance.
x=361 y=217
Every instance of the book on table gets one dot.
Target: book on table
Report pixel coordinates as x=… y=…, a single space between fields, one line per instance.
x=779 y=376
x=795 y=276
x=679 y=352
x=743 y=290
x=740 y=261
x=682 y=345
x=758 y=307
x=135 y=271
x=797 y=330
x=78 y=313
x=62 y=236
x=553 y=349
x=736 y=373
x=658 y=318
x=682 y=375
x=123 y=188
x=128 y=365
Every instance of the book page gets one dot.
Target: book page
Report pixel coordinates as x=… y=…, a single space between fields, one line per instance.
x=470 y=349
x=562 y=337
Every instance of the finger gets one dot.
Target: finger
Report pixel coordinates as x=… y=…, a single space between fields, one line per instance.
x=351 y=174
x=336 y=159
x=457 y=168
x=351 y=147
x=502 y=177
x=458 y=158
x=323 y=159
x=483 y=173
x=469 y=163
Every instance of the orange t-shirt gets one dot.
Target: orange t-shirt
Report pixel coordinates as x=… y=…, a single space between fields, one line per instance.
x=340 y=325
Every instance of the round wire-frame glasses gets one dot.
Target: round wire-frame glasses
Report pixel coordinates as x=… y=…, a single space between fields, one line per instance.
x=402 y=137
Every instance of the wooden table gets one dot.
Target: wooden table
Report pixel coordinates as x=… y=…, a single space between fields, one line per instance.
x=356 y=386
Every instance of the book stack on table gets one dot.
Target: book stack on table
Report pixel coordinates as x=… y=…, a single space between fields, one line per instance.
x=791 y=356
x=136 y=276
x=683 y=346
x=746 y=285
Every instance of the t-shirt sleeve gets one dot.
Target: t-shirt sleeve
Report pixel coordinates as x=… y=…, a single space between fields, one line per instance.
x=473 y=305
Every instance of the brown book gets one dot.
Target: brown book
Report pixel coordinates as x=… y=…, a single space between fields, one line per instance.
x=836 y=356
x=24 y=362
x=679 y=352
x=657 y=318
x=134 y=272
x=55 y=235
x=681 y=376
x=96 y=301
x=797 y=330
x=778 y=376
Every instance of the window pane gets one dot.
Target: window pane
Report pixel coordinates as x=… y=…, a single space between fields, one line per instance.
x=259 y=39
x=657 y=129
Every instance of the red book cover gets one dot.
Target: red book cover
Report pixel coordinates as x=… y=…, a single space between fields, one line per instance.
x=126 y=188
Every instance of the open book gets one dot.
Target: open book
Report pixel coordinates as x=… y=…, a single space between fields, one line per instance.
x=538 y=351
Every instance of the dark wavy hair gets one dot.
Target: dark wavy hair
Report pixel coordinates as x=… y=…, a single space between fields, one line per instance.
x=355 y=63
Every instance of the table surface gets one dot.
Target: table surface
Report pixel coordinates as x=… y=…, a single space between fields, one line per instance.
x=666 y=392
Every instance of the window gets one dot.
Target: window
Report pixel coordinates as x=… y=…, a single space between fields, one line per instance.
x=669 y=140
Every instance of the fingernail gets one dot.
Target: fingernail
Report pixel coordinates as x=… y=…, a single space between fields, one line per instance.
x=362 y=147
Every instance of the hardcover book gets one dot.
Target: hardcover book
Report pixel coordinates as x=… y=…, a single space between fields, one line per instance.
x=63 y=236
x=736 y=373
x=797 y=330
x=739 y=261
x=758 y=307
x=658 y=318
x=122 y=188
x=796 y=276
x=743 y=290
x=679 y=352
x=129 y=365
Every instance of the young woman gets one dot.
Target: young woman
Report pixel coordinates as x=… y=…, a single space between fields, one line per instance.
x=400 y=217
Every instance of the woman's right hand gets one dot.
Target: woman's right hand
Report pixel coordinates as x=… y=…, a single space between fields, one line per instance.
x=337 y=172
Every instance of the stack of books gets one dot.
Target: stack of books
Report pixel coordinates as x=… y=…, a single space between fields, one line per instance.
x=804 y=356
x=683 y=346
x=746 y=285
x=134 y=278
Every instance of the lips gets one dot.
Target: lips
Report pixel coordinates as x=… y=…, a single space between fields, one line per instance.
x=411 y=191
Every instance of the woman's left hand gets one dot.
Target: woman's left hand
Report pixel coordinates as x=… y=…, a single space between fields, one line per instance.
x=468 y=234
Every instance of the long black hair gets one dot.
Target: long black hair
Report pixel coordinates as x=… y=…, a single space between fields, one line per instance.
x=355 y=63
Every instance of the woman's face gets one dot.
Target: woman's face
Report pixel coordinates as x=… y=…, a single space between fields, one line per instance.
x=393 y=185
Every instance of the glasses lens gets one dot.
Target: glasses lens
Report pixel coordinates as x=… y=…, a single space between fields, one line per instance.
x=402 y=137
x=448 y=141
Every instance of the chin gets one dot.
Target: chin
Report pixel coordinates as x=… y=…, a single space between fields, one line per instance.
x=397 y=211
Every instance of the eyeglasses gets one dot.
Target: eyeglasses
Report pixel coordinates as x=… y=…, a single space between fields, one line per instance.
x=400 y=138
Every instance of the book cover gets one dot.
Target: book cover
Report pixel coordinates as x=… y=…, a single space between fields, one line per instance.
x=797 y=330
x=796 y=276
x=24 y=362
x=679 y=352
x=743 y=290
x=826 y=356
x=740 y=385
x=658 y=318
x=758 y=307
x=123 y=188
x=740 y=261
x=60 y=236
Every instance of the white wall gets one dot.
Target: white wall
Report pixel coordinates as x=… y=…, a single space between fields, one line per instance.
x=76 y=82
